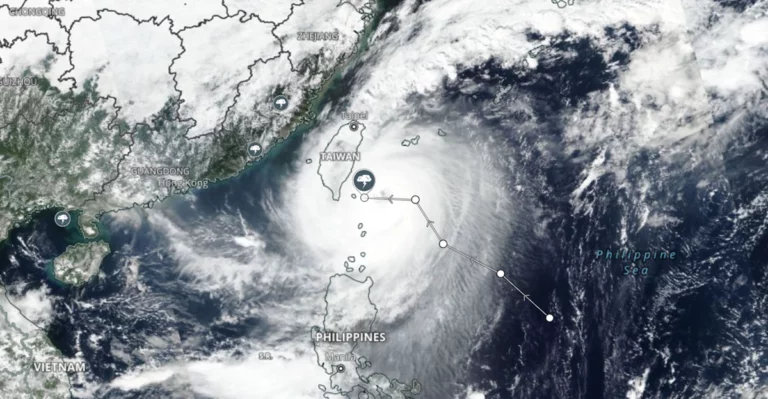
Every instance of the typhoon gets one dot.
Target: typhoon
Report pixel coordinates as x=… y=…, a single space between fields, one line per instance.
x=512 y=145
x=271 y=252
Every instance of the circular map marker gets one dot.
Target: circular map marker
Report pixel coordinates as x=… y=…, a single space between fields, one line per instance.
x=254 y=150
x=364 y=180
x=341 y=368
x=353 y=126
x=550 y=318
x=280 y=103
x=62 y=219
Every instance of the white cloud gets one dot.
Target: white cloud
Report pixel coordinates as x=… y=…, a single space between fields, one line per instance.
x=35 y=305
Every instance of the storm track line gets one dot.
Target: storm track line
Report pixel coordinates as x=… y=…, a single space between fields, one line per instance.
x=444 y=244
x=473 y=260
x=429 y=222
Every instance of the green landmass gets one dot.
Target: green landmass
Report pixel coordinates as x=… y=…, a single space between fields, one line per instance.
x=80 y=262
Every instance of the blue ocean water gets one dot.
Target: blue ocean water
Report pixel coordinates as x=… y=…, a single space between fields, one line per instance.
x=683 y=328
x=689 y=324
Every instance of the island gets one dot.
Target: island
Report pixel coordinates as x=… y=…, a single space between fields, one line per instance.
x=80 y=262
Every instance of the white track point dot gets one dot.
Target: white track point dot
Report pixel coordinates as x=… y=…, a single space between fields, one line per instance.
x=550 y=318
x=443 y=244
x=500 y=273
x=364 y=198
x=415 y=199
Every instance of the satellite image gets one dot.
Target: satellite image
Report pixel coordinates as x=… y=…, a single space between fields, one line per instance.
x=359 y=199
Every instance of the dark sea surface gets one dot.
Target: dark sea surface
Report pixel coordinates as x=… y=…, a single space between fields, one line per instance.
x=26 y=260
x=690 y=324
x=690 y=327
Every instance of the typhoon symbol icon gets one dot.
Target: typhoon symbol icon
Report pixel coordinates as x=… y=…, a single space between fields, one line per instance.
x=364 y=180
